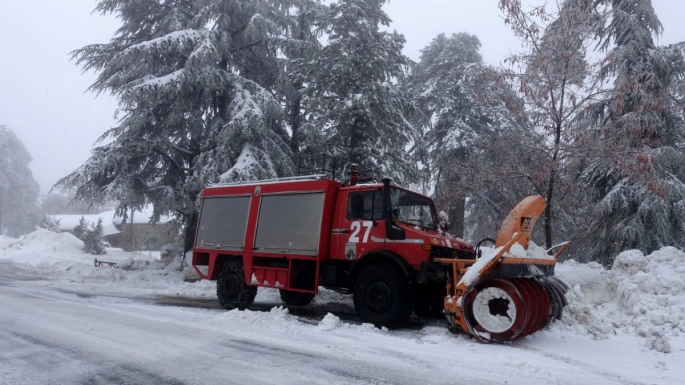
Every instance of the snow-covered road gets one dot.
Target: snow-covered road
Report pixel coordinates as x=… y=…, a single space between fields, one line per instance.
x=56 y=334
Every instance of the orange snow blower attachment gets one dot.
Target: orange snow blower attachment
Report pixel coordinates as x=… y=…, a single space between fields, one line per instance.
x=510 y=291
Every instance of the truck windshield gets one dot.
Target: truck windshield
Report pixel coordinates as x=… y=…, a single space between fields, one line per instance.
x=412 y=208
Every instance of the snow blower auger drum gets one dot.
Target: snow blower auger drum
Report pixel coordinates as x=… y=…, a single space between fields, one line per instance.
x=509 y=292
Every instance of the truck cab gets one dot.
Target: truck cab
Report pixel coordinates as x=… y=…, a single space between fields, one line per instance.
x=377 y=241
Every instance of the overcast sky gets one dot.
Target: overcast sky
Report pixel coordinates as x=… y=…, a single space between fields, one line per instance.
x=43 y=95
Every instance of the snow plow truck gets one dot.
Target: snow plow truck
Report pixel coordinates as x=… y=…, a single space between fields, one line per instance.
x=380 y=242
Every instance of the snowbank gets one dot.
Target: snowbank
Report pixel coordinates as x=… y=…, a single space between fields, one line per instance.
x=60 y=256
x=641 y=295
x=50 y=255
x=651 y=290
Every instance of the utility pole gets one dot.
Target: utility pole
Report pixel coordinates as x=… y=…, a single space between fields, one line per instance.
x=131 y=232
x=2 y=200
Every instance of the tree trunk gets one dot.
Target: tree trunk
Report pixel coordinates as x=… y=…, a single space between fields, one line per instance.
x=296 y=120
x=296 y=106
x=458 y=212
x=551 y=186
x=457 y=217
x=548 y=210
x=133 y=246
x=189 y=233
x=355 y=143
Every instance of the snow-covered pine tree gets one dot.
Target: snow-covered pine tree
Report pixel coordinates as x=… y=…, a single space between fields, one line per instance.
x=80 y=230
x=639 y=184
x=356 y=102
x=49 y=223
x=308 y=22
x=557 y=82
x=194 y=81
x=470 y=108
x=18 y=188
x=94 y=239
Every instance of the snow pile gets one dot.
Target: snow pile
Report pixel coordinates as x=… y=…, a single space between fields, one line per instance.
x=651 y=289
x=329 y=322
x=591 y=307
x=641 y=294
x=50 y=255
x=533 y=251
x=278 y=318
x=44 y=246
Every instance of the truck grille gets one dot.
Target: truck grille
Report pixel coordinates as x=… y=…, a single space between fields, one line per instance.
x=446 y=252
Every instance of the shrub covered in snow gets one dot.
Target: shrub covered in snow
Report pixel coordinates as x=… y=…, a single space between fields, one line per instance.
x=94 y=240
x=49 y=223
x=80 y=229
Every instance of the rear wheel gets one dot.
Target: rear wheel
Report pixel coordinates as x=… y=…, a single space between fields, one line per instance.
x=231 y=289
x=296 y=298
x=382 y=296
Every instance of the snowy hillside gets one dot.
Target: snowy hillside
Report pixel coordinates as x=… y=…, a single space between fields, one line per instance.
x=625 y=325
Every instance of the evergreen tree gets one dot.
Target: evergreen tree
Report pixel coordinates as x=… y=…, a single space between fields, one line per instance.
x=94 y=239
x=469 y=109
x=639 y=185
x=308 y=22
x=18 y=188
x=80 y=230
x=194 y=80
x=361 y=112
x=49 y=223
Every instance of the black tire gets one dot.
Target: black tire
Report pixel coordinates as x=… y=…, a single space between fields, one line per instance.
x=382 y=296
x=296 y=298
x=231 y=289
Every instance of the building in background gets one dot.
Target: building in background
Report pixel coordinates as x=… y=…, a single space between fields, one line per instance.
x=135 y=233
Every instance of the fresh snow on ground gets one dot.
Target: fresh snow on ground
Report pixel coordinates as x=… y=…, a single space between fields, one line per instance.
x=624 y=325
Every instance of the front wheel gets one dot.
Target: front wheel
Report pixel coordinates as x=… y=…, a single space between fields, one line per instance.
x=231 y=289
x=382 y=296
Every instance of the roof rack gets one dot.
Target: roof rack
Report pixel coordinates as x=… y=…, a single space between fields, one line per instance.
x=320 y=163
x=273 y=180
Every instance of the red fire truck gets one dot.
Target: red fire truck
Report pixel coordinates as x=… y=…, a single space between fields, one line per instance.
x=377 y=241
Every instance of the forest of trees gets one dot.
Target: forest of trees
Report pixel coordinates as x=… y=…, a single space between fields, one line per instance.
x=588 y=114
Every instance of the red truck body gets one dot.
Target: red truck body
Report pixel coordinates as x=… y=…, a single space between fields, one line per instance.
x=298 y=234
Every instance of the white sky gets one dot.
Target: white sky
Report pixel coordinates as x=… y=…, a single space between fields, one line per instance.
x=42 y=93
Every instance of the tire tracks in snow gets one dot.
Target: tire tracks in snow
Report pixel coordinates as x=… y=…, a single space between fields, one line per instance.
x=612 y=376
x=66 y=365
